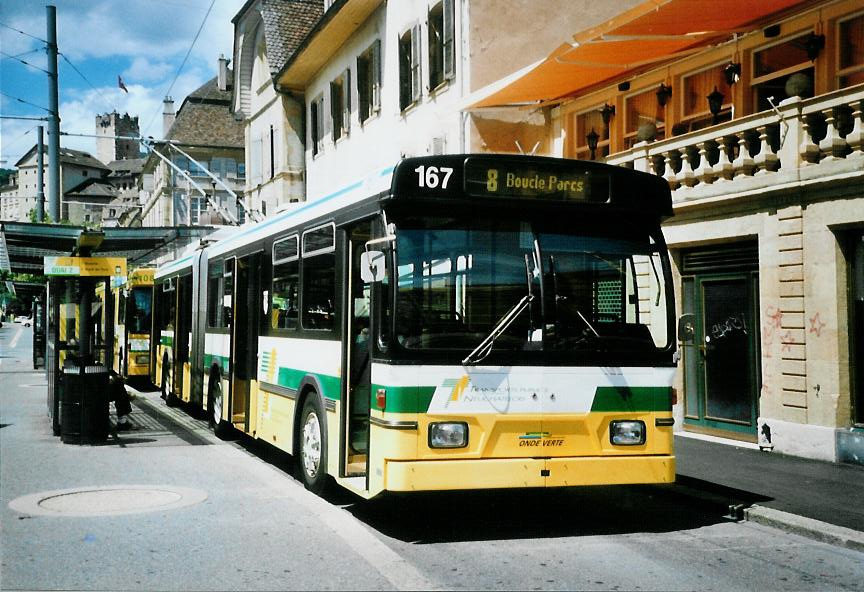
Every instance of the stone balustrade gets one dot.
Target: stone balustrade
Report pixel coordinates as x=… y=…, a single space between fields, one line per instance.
x=802 y=140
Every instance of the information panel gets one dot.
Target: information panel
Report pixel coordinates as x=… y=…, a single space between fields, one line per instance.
x=506 y=178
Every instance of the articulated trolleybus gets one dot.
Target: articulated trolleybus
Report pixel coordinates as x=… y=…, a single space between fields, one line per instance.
x=453 y=322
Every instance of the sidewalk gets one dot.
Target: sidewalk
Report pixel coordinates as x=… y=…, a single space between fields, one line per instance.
x=807 y=496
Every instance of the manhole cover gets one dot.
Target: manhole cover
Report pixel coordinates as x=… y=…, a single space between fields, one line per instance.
x=111 y=500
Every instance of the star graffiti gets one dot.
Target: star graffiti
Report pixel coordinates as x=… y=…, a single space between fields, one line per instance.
x=816 y=325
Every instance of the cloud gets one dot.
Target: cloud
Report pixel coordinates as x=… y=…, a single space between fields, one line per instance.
x=143 y=70
x=142 y=40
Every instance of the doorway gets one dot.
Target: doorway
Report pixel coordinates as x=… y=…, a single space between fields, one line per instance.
x=856 y=336
x=357 y=353
x=244 y=342
x=721 y=361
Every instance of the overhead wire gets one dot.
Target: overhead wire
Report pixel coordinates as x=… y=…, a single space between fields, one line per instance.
x=25 y=102
x=183 y=63
x=17 y=59
x=23 y=33
x=99 y=92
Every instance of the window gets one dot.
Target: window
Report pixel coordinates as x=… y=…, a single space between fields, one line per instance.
x=319 y=278
x=644 y=118
x=697 y=87
x=286 y=280
x=227 y=291
x=409 y=67
x=340 y=105
x=316 y=124
x=214 y=294
x=850 y=66
x=584 y=124
x=369 y=82
x=441 y=44
x=272 y=152
x=774 y=66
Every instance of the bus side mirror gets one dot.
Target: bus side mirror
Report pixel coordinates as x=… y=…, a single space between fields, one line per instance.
x=372 y=266
x=687 y=328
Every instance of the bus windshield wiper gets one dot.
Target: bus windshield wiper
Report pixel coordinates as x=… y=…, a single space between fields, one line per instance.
x=479 y=353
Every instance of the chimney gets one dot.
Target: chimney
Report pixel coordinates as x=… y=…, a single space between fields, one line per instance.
x=167 y=115
x=222 y=80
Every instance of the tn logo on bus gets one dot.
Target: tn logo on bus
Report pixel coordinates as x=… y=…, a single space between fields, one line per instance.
x=457 y=386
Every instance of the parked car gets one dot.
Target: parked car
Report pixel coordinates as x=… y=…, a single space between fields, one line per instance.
x=24 y=320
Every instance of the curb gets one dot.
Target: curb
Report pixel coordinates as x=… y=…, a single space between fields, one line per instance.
x=807 y=527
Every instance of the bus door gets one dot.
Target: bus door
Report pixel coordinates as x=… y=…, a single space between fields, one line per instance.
x=356 y=352
x=182 y=335
x=244 y=340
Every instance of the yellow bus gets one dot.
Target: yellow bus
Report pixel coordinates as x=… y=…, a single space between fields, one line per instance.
x=451 y=322
x=132 y=324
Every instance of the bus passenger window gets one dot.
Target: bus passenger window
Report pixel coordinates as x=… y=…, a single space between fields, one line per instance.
x=285 y=279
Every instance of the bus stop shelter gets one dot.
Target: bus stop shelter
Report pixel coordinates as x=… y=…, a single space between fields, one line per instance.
x=80 y=262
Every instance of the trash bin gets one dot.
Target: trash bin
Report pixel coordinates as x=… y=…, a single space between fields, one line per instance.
x=84 y=404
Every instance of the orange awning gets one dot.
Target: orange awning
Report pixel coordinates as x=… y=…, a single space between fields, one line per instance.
x=653 y=32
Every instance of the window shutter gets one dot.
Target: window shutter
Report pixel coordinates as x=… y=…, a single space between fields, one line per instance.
x=346 y=101
x=416 y=82
x=449 y=35
x=376 y=76
x=326 y=121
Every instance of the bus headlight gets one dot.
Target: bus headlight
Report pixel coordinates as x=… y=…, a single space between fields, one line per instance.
x=627 y=433
x=448 y=435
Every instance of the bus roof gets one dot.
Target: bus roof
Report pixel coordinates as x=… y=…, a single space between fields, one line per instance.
x=612 y=187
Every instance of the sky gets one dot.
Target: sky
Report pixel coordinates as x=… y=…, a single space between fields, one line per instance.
x=142 y=41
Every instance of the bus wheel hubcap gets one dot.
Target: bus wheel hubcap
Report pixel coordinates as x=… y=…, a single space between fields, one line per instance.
x=217 y=404
x=311 y=445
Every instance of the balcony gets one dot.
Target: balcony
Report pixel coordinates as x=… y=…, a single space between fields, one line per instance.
x=803 y=142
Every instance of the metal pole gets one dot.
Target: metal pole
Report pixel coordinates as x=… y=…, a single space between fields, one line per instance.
x=40 y=181
x=54 y=119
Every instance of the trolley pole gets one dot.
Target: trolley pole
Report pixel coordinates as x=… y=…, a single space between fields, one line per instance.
x=54 y=119
x=40 y=181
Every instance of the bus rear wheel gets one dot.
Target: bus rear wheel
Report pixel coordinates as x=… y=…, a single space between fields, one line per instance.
x=312 y=461
x=167 y=386
x=216 y=402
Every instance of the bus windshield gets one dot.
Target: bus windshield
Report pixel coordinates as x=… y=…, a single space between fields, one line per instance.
x=138 y=310
x=530 y=284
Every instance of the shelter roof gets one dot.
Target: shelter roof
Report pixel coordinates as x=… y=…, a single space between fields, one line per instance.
x=24 y=245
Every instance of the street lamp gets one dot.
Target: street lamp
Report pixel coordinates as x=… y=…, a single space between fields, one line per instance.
x=592 y=137
x=715 y=104
x=663 y=94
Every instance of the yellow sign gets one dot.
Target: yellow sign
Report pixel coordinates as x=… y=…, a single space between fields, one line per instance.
x=142 y=276
x=86 y=266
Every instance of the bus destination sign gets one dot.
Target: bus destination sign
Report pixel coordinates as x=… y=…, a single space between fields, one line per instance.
x=502 y=178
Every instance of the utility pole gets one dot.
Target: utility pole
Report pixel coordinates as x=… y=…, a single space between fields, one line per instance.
x=54 y=119
x=40 y=181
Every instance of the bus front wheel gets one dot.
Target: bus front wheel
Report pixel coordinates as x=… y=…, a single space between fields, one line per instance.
x=312 y=459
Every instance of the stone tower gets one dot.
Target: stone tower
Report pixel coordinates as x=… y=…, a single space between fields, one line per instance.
x=113 y=124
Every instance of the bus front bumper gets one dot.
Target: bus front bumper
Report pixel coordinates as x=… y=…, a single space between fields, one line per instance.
x=503 y=473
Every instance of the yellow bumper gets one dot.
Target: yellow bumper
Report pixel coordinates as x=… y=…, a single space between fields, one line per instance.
x=528 y=472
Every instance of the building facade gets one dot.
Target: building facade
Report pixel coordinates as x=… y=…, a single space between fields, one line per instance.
x=759 y=134
x=267 y=32
x=381 y=80
x=204 y=136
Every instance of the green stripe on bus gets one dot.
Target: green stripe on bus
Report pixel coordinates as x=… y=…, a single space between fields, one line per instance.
x=209 y=359
x=291 y=378
x=403 y=399
x=166 y=340
x=632 y=398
